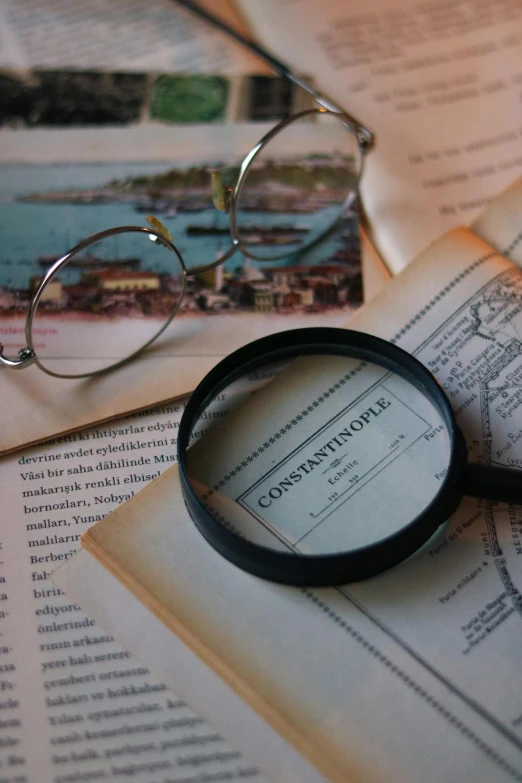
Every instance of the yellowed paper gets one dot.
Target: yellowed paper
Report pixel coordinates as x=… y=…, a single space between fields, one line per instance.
x=439 y=85
x=298 y=656
x=501 y=223
x=116 y=34
x=75 y=702
x=375 y=271
x=175 y=662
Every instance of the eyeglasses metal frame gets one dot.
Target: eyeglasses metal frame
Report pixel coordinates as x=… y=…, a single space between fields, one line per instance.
x=27 y=356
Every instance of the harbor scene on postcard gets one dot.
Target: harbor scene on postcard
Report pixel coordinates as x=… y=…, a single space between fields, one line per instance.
x=46 y=210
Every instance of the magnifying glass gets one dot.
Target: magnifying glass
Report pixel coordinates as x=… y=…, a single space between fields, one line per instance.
x=334 y=469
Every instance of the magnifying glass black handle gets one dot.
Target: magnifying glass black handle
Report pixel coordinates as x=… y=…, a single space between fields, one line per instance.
x=492 y=483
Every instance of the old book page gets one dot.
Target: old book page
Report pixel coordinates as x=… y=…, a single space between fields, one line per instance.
x=374 y=271
x=404 y=655
x=88 y=584
x=440 y=87
x=178 y=667
x=124 y=35
x=76 y=705
x=501 y=223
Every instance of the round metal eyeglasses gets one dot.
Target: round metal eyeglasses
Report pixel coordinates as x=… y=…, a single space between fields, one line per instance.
x=95 y=309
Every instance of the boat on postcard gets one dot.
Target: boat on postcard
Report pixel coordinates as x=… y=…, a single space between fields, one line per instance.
x=251 y=228
x=91 y=261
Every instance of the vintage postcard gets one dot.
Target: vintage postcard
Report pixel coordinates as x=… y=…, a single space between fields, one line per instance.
x=115 y=295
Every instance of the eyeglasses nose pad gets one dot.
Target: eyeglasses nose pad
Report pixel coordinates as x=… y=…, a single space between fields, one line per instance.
x=158 y=226
x=220 y=193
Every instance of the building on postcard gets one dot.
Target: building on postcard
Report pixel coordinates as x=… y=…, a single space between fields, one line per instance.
x=53 y=293
x=156 y=302
x=325 y=292
x=81 y=297
x=123 y=280
x=306 y=296
x=317 y=287
x=213 y=301
x=263 y=297
x=296 y=276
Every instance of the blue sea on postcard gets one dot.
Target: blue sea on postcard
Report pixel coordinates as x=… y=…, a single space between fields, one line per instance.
x=33 y=230
x=111 y=298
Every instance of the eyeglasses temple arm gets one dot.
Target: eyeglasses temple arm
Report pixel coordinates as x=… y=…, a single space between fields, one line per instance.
x=365 y=136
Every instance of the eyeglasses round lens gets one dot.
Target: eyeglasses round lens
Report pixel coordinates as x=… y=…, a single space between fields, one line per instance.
x=111 y=298
x=297 y=186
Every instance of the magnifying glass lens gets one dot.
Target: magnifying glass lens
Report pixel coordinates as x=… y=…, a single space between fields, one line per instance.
x=322 y=455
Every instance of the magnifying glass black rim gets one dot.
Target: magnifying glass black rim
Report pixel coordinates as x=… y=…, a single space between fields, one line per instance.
x=339 y=567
